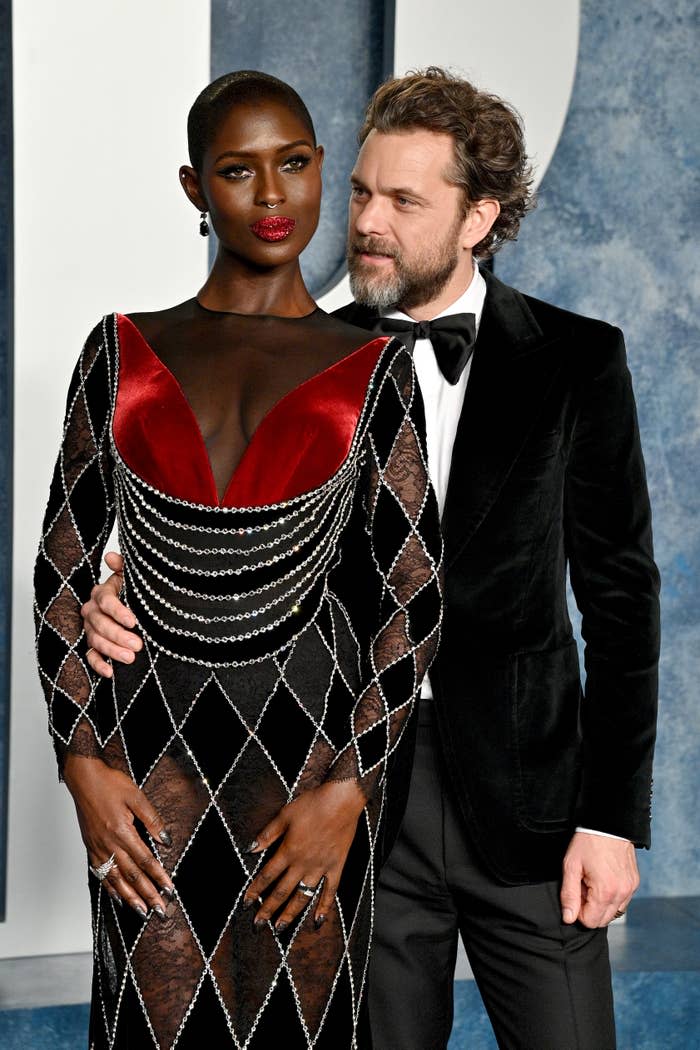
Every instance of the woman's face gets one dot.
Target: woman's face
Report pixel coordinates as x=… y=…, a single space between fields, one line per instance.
x=261 y=183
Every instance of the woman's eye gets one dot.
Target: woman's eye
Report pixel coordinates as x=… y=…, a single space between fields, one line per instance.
x=236 y=171
x=296 y=163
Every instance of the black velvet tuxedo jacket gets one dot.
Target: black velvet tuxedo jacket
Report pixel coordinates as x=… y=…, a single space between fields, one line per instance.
x=547 y=471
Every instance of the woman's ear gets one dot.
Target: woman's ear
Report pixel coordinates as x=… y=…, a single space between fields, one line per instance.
x=189 y=180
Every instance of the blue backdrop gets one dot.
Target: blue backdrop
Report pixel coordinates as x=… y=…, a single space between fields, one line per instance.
x=334 y=56
x=615 y=236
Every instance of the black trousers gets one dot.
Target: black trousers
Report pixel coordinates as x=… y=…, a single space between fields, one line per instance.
x=546 y=986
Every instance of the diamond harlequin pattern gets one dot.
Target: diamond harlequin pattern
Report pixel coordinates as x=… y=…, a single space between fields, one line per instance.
x=220 y=747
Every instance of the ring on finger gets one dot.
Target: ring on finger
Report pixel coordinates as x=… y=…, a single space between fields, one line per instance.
x=307 y=891
x=102 y=870
x=619 y=914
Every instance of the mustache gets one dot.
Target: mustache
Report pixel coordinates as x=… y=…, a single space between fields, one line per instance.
x=372 y=246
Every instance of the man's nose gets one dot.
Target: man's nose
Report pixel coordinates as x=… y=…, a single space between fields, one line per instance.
x=369 y=218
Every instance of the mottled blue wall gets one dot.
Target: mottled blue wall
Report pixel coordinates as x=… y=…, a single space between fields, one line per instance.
x=615 y=236
x=332 y=53
x=5 y=416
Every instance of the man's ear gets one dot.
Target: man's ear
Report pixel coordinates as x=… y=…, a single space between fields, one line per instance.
x=189 y=180
x=479 y=220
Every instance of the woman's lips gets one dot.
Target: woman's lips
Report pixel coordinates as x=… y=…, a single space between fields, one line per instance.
x=273 y=228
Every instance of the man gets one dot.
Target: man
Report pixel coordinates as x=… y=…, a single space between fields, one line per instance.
x=526 y=798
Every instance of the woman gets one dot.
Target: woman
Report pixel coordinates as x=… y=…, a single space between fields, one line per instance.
x=282 y=552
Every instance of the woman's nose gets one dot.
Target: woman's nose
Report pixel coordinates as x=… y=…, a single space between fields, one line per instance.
x=270 y=193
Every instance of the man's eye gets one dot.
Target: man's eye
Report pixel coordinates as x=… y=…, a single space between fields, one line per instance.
x=357 y=191
x=403 y=201
x=296 y=163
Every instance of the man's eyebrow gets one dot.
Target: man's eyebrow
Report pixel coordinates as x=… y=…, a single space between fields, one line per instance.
x=392 y=191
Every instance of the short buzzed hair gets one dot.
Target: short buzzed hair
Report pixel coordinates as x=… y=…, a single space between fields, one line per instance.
x=490 y=159
x=244 y=86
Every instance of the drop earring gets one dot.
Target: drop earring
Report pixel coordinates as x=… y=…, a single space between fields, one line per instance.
x=204 y=225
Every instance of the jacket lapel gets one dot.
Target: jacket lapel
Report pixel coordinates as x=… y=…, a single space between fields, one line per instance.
x=513 y=369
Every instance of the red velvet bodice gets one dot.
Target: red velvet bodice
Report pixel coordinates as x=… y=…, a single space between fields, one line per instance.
x=300 y=443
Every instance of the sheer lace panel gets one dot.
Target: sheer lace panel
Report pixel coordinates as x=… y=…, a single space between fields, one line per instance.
x=404 y=535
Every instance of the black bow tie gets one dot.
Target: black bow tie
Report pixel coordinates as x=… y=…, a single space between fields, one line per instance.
x=452 y=338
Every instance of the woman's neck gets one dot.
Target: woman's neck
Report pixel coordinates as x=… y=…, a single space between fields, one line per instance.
x=233 y=287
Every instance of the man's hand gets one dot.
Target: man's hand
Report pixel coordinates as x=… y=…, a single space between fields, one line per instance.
x=600 y=877
x=106 y=619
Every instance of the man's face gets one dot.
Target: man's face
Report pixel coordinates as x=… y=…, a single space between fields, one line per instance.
x=405 y=221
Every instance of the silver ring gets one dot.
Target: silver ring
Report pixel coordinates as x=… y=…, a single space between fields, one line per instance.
x=308 y=891
x=102 y=871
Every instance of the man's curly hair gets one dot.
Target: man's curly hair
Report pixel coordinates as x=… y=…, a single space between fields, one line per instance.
x=490 y=159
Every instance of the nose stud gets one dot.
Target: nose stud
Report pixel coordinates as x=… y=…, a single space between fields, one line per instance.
x=265 y=204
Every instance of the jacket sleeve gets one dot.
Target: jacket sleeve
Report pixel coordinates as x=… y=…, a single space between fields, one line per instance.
x=406 y=548
x=616 y=585
x=77 y=524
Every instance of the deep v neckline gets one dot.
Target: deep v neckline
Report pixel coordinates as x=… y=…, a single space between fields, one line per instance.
x=267 y=422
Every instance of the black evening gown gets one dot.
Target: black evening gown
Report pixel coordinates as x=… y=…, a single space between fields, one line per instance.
x=287 y=625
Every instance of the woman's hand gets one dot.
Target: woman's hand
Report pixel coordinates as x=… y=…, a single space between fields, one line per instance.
x=317 y=830
x=108 y=622
x=107 y=802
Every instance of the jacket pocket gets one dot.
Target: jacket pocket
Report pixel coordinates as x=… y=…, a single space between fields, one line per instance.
x=547 y=738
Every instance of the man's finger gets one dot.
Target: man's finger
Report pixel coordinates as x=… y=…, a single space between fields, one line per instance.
x=109 y=650
x=570 y=895
x=115 y=562
x=106 y=601
x=99 y=665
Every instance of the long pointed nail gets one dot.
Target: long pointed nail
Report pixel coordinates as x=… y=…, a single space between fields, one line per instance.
x=165 y=838
x=319 y=921
x=160 y=912
x=248 y=902
x=252 y=847
x=280 y=926
x=141 y=911
x=259 y=923
x=166 y=891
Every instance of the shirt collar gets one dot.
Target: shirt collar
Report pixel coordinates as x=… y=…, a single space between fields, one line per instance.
x=470 y=302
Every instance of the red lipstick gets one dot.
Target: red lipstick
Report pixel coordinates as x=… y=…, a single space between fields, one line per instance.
x=273 y=227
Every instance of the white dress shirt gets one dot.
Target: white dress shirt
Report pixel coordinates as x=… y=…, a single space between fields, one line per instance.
x=443 y=402
x=443 y=407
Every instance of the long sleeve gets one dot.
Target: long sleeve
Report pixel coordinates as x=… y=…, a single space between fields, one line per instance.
x=615 y=581
x=77 y=524
x=406 y=548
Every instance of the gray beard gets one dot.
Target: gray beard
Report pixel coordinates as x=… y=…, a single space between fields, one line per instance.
x=408 y=287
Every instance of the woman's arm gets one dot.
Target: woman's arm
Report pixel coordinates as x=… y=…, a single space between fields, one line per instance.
x=77 y=524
